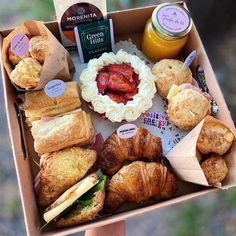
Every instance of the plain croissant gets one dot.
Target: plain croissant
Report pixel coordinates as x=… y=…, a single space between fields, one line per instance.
x=142 y=146
x=138 y=182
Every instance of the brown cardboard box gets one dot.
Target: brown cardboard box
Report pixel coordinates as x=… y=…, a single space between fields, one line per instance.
x=129 y=23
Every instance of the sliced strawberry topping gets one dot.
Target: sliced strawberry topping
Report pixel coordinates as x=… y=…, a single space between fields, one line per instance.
x=129 y=96
x=124 y=69
x=102 y=81
x=118 y=82
x=116 y=97
x=136 y=79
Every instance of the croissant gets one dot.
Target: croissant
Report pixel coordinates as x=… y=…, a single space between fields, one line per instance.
x=143 y=145
x=138 y=182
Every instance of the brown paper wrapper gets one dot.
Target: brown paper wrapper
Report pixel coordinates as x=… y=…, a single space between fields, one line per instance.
x=184 y=159
x=58 y=63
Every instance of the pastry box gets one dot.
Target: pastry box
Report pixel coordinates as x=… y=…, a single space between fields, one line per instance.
x=128 y=24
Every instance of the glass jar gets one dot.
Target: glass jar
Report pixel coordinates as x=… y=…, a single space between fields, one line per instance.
x=166 y=32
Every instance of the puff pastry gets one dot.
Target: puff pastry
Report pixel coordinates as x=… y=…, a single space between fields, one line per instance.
x=169 y=72
x=37 y=47
x=58 y=132
x=37 y=104
x=27 y=73
x=214 y=137
x=139 y=181
x=187 y=108
x=62 y=169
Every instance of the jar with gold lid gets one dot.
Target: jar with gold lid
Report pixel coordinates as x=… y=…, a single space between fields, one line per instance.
x=166 y=32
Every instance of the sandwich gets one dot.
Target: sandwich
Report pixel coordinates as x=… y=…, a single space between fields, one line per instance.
x=37 y=104
x=62 y=169
x=80 y=203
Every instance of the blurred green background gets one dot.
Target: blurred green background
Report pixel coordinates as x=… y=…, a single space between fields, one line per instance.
x=214 y=214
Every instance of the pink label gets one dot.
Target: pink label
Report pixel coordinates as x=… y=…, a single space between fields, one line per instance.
x=55 y=88
x=126 y=131
x=20 y=45
x=173 y=19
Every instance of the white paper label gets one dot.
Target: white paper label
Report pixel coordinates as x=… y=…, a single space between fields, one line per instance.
x=126 y=131
x=55 y=88
x=188 y=61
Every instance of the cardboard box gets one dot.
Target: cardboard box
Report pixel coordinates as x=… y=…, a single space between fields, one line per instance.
x=128 y=23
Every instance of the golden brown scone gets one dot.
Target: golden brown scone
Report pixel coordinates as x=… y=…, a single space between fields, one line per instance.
x=62 y=169
x=79 y=215
x=214 y=168
x=37 y=47
x=214 y=137
x=14 y=59
x=187 y=108
x=142 y=146
x=27 y=73
x=169 y=72
x=55 y=133
x=37 y=104
x=139 y=181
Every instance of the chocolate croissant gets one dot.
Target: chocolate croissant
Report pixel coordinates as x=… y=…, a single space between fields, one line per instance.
x=142 y=146
x=139 y=181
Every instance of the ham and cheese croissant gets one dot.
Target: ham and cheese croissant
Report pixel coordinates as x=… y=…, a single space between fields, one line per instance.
x=143 y=145
x=37 y=104
x=139 y=181
x=62 y=169
x=56 y=133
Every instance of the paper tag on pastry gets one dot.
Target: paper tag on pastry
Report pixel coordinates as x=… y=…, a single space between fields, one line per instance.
x=126 y=131
x=20 y=45
x=188 y=61
x=55 y=88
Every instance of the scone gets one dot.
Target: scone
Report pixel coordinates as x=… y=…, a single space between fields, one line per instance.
x=214 y=137
x=169 y=72
x=27 y=73
x=215 y=169
x=37 y=48
x=14 y=59
x=186 y=108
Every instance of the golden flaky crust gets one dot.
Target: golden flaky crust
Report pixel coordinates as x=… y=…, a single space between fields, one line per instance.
x=214 y=168
x=60 y=170
x=14 y=59
x=142 y=146
x=139 y=181
x=37 y=47
x=37 y=104
x=214 y=137
x=79 y=215
x=27 y=73
x=74 y=128
x=187 y=109
x=169 y=72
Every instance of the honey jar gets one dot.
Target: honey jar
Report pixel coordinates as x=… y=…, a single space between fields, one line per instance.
x=166 y=32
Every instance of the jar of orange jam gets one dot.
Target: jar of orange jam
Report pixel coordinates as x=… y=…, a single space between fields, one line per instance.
x=166 y=32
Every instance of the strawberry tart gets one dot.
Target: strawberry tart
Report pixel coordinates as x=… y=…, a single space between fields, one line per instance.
x=120 y=86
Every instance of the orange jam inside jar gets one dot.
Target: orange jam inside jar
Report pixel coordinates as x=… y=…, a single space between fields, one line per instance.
x=166 y=32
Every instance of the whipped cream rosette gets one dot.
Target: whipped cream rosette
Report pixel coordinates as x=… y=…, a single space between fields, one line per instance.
x=119 y=86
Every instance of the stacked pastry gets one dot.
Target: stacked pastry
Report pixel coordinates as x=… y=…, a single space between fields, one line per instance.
x=213 y=142
x=143 y=178
x=60 y=128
